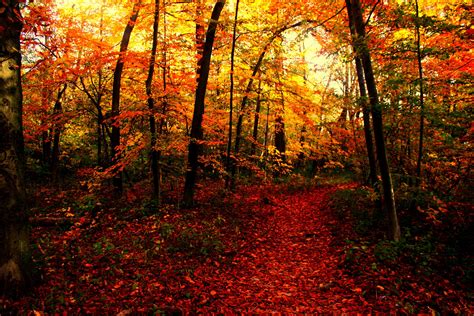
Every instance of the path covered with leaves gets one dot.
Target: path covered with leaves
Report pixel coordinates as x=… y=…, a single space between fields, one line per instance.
x=291 y=264
x=264 y=249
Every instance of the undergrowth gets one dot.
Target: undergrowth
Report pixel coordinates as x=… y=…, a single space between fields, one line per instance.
x=436 y=235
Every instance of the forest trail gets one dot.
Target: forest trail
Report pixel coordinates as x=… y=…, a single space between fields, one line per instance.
x=292 y=265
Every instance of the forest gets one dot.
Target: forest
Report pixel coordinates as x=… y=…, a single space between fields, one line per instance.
x=175 y=157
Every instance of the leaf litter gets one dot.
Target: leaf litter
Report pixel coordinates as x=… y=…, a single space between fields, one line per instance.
x=264 y=249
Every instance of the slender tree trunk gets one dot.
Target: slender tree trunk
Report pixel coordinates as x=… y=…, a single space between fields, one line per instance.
x=267 y=123
x=45 y=135
x=46 y=148
x=280 y=137
x=230 y=174
x=56 y=139
x=151 y=105
x=362 y=50
x=256 y=118
x=369 y=143
x=280 y=143
x=106 y=151
x=15 y=257
x=164 y=103
x=196 y=135
x=422 y=102
x=99 y=142
x=57 y=127
x=115 y=137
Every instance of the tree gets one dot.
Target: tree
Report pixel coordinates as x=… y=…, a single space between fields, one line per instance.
x=14 y=235
x=365 y=108
x=194 y=148
x=115 y=137
x=230 y=179
x=151 y=105
x=362 y=50
x=419 y=58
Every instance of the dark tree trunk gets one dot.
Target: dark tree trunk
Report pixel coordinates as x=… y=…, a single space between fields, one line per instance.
x=280 y=143
x=267 y=123
x=369 y=143
x=57 y=127
x=362 y=50
x=196 y=135
x=256 y=118
x=422 y=102
x=15 y=258
x=46 y=148
x=151 y=105
x=99 y=142
x=230 y=175
x=115 y=137
x=105 y=131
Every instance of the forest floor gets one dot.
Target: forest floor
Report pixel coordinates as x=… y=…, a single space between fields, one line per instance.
x=264 y=249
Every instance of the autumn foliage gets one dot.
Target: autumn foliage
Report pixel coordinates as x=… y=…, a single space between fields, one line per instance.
x=288 y=210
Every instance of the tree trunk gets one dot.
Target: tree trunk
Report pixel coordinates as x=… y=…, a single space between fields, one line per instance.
x=46 y=148
x=115 y=137
x=369 y=143
x=362 y=50
x=230 y=175
x=256 y=119
x=194 y=149
x=15 y=258
x=151 y=105
x=99 y=142
x=422 y=102
x=280 y=143
x=267 y=124
x=57 y=127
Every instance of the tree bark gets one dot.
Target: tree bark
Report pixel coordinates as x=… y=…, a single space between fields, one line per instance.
x=115 y=137
x=230 y=175
x=256 y=119
x=57 y=127
x=195 y=146
x=46 y=148
x=369 y=143
x=422 y=102
x=280 y=137
x=362 y=50
x=280 y=143
x=15 y=258
x=151 y=104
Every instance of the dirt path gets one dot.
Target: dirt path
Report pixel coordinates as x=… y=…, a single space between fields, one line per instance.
x=293 y=266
